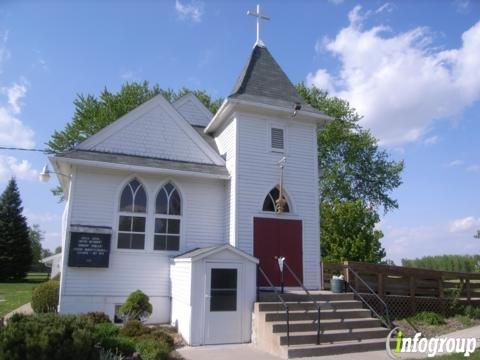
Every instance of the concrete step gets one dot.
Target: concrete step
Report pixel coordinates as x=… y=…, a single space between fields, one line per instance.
x=346 y=347
x=340 y=314
x=272 y=297
x=325 y=325
x=308 y=305
x=331 y=336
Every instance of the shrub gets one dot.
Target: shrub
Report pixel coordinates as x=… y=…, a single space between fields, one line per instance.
x=96 y=317
x=162 y=336
x=473 y=312
x=106 y=330
x=151 y=349
x=137 y=306
x=48 y=336
x=429 y=318
x=110 y=355
x=45 y=297
x=119 y=344
x=464 y=320
x=134 y=328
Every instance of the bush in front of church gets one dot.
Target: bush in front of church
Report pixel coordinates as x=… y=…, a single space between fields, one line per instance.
x=48 y=337
x=45 y=297
x=136 y=307
x=152 y=349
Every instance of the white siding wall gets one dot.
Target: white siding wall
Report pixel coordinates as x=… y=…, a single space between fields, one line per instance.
x=227 y=145
x=94 y=202
x=257 y=173
x=181 y=280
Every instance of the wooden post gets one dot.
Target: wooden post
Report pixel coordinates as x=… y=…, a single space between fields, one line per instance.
x=441 y=297
x=441 y=294
x=412 y=287
x=346 y=273
x=380 y=289
x=467 y=287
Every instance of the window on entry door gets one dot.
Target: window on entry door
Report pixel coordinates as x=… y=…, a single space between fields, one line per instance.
x=223 y=290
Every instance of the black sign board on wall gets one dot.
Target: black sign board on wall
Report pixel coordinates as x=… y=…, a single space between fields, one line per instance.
x=89 y=250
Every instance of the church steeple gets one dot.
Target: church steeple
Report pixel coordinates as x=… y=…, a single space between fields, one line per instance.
x=262 y=80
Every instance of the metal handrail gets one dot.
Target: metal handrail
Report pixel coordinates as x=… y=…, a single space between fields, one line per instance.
x=285 y=306
x=309 y=296
x=388 y=322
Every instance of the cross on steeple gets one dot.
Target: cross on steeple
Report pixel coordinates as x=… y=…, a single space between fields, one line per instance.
x=258 y=14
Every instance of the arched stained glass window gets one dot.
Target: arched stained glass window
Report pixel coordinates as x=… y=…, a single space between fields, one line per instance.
x=132 y=218
x=270 y=202
x=168 y=208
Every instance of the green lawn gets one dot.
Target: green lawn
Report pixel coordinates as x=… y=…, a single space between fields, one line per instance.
x=13 y=295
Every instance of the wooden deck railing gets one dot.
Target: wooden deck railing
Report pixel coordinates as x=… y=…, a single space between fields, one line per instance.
x=404 y=281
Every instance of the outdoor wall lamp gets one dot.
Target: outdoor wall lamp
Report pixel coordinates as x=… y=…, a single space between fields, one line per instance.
x=44 y=175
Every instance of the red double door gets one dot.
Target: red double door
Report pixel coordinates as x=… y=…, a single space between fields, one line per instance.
x=278 y=237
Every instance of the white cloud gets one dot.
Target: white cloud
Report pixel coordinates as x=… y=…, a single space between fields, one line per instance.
x=15 y=93
x=469 y=223
x=400 y=83
x=425 y=240
x=4 y=52
x=11 y=166
x=336 y=2
x=473 y=168
x=41 y=218
x=462 y=6
x=322 y=80
x=432 y=140
x=456 y=163
x=13 y=132
x=190 y=11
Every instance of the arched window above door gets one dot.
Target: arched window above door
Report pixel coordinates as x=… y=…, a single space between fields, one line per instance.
x=270 y=202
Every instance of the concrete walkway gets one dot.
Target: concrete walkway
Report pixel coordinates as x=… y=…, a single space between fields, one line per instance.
x=24 y=309
x=249 y=351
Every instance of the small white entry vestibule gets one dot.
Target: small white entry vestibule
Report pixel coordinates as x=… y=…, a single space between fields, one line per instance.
x=213 y=292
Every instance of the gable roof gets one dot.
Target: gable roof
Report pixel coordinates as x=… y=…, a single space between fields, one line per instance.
x=201 y=253
x=193 y=110
x=147 y=131
x=263 y=80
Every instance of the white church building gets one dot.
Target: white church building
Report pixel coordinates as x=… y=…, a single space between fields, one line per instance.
x=183 y=205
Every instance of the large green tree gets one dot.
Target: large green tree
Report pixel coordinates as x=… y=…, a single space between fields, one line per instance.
x=348 y=232
x=356 y=183
x=457 y=263
x=36 y=237
x=15 y=246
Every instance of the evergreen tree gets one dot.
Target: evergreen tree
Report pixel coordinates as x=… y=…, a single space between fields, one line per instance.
x=15 y=245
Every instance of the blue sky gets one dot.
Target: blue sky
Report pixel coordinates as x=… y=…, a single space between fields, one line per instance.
x=410 y=67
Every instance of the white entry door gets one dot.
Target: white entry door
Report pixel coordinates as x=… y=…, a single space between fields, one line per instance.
x=223 y=303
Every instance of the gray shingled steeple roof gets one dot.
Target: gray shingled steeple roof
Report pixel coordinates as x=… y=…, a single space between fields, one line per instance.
x=263 y=80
